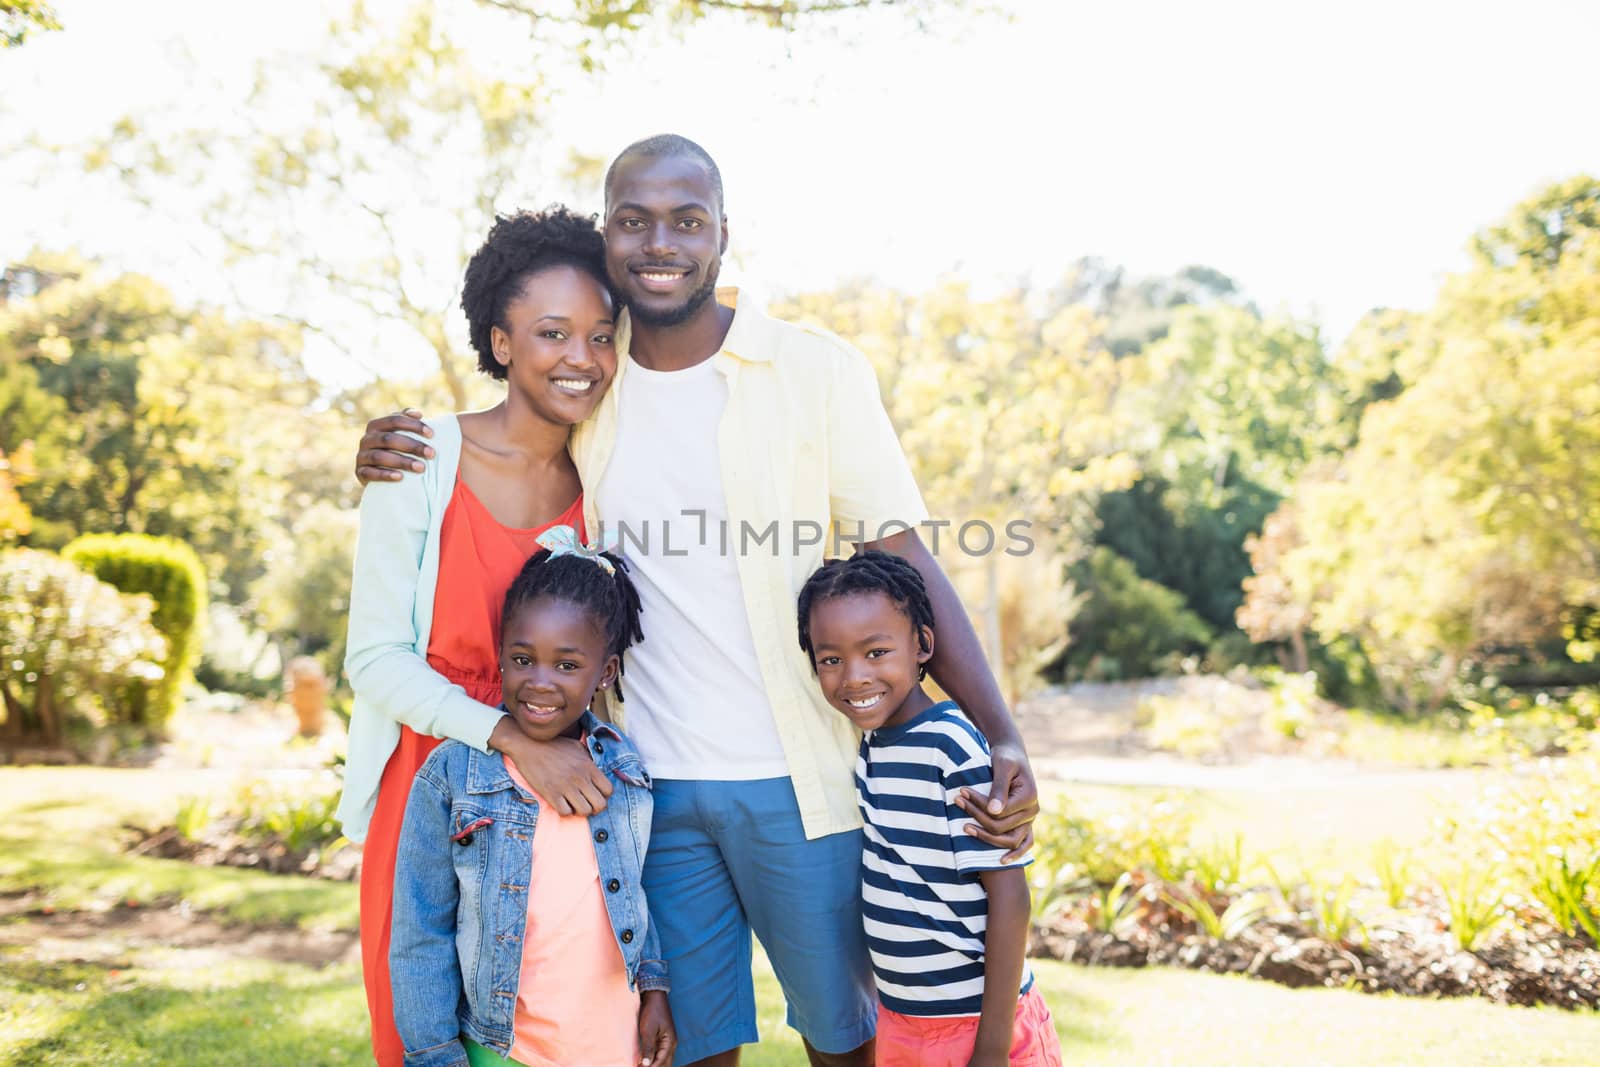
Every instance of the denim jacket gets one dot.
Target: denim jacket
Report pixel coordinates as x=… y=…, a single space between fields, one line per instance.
x=460 y=893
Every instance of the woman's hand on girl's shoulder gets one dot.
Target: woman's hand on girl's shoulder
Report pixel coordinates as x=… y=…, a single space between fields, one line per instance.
x=387 y=449
x=657 y=1038
x=560 y=771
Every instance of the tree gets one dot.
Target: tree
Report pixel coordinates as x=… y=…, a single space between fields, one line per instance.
x=1236 y=407
x=1271 y=611
x=1467 y=517
x=305 y=595
x=19 y=18
x=1006 y=408
x=15 y=469
x=406 y=140
x=146 y=417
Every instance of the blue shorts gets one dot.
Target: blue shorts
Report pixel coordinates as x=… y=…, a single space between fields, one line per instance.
x=729 y=858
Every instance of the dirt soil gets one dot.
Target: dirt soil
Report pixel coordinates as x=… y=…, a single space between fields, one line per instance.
x=145 y=937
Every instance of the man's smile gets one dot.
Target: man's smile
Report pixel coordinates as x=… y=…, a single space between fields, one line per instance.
x=660 y=279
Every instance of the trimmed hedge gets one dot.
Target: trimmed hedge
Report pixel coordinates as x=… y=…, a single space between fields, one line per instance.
x=173 y=576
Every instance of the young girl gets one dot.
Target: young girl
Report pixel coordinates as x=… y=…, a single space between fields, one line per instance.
x=946 y=919
x=438 y=549
x=520 y=934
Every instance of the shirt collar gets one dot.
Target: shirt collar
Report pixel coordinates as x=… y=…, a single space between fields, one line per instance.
x=752 y=335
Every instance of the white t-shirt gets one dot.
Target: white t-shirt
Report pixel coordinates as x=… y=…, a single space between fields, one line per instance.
x=697 y=708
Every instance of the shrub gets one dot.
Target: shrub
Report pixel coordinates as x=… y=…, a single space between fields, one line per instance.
x=300 y=819
x=65 y=639
x=1127 y=626
x=171 y=574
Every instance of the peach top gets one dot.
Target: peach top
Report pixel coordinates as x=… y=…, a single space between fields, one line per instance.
x=574 y=1007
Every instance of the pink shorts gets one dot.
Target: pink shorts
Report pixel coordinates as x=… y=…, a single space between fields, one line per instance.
x=946 y=1041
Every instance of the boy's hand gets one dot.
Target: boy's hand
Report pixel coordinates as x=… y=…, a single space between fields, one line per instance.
x=560 y=771
x=657 y=1039
x=386 y=449
x=1005 y=817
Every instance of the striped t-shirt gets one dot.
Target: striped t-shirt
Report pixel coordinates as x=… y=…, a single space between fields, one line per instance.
x=924 y=908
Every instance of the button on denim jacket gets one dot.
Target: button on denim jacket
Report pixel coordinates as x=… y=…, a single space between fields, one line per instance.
x=460 y=893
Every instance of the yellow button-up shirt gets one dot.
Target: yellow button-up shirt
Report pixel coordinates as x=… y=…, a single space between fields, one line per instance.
x=804 y=444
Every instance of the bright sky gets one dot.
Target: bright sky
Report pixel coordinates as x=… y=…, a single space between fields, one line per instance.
x=1330 y=157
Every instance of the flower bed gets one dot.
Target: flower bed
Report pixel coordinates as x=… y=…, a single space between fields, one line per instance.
x=1418 y=957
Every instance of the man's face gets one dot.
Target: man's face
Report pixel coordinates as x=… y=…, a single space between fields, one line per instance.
x=665 y=235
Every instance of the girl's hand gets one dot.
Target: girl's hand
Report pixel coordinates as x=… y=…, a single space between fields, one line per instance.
x=657 y=1039
x=560 y=771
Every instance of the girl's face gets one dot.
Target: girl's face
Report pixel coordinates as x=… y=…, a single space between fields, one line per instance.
x=867 y=658
x=552 y=659
x=557 y=347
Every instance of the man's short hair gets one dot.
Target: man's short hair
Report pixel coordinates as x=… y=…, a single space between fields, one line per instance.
x=670 y=146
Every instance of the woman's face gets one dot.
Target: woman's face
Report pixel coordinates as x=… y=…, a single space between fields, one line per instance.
x=558 y=348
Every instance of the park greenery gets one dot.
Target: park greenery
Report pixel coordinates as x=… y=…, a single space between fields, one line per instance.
x=1411 y=515
x=1384 y=547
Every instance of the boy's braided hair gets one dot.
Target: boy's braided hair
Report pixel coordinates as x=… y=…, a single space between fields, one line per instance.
x=868 y=572
x=610 y=599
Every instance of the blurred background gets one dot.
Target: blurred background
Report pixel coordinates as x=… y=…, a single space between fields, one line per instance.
x=1279 y=323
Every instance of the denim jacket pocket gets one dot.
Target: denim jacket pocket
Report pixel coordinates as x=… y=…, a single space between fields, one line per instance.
x=630 y=769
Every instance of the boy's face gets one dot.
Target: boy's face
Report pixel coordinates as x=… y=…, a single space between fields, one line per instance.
x=552 y=659
x=867 y=657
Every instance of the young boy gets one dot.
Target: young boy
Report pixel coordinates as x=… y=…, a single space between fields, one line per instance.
x=946 y=919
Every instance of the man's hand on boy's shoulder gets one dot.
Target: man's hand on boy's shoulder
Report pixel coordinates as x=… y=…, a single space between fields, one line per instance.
x=1005 y=817
x=387 y=449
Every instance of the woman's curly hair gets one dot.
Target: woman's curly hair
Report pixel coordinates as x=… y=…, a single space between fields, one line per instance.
x=517 y=246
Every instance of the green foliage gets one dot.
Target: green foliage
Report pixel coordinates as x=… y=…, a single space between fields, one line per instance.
x=305 y=596
x=19 y=18
x=1330 y=908
x=1475 y=902
x=1116 y=907
x=193 y=817
x=1127 y=626
x=148 y=417
x=1293 y=705
x=169 y=572
x=1464 y=520
x=1545 y=835
x=1006 y=407
x=1393 y=870
x=16 y=469
x=1190 y=545
x=66 y=638
x=1072 y=844
x=1568 y=890
x=300 y=819
x=1240 y=914
x=1218 y=867
x=1194 y=729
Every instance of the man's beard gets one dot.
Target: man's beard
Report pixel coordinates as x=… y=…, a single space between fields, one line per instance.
x=681 y=314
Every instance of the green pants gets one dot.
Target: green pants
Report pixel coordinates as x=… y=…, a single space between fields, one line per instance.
x=479 y=1056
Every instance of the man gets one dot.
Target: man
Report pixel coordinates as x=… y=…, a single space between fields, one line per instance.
x=725 y=447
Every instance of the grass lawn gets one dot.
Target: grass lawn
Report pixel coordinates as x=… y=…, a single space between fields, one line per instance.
x=115 y=1003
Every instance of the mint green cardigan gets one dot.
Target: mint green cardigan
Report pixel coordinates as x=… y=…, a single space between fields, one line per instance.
x=391 y=613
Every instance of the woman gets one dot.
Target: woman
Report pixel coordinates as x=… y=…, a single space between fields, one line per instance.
x=436 y=553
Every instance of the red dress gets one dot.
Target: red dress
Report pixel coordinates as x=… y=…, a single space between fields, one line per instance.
x=478 y=558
